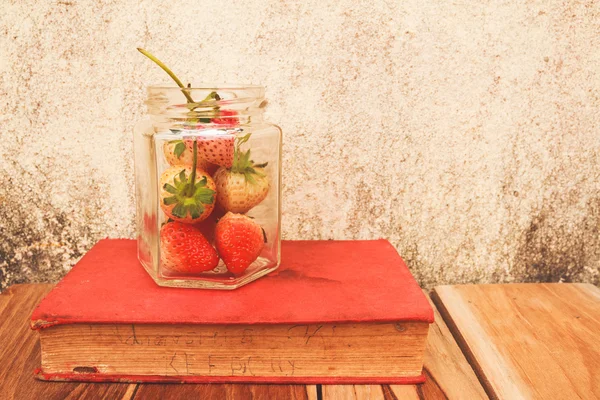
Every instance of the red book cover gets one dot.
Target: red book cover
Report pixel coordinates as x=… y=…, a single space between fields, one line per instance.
x=317 y=282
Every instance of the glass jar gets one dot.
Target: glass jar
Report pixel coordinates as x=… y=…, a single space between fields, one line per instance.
x=216 y=226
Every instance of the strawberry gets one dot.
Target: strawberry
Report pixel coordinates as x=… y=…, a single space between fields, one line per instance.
x=244 y=185
x=207 y=227
x=183 y=197
x=216 y=149
x=226 y=119
x=177 y=153
x=239 y=241
x=183 y=249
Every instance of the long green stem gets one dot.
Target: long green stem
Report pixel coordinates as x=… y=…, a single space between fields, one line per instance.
x=194 y=163
x=168 y=71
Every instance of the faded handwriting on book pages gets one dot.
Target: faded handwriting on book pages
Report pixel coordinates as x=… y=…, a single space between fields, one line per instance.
x=256 y=350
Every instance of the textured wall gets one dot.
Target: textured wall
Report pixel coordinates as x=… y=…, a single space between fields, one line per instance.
x=464 y=132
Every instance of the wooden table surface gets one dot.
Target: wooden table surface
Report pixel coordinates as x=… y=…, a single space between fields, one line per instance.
x=524 y=341
x=449 y=376
x=528 y=341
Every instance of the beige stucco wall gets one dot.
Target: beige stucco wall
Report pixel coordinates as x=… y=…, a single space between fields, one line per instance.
x=467 y=133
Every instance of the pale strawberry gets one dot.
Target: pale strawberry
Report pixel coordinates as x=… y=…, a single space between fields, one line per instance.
x=184 y=250
x=240 y=192
x=216 y=149
x=239 y=240
x=177 y=153
x=244 y=185
x=185 y=196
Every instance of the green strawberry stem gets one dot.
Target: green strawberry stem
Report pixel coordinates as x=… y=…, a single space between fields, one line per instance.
x=191 y=189
x=168 y=71
x=211 y=96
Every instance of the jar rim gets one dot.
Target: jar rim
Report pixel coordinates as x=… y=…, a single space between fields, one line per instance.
x=171 y=104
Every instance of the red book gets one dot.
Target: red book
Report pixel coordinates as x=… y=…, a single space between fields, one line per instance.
x=335 y=311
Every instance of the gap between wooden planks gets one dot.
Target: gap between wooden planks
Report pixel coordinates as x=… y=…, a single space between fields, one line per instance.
x=528 y=340
x=448 y=374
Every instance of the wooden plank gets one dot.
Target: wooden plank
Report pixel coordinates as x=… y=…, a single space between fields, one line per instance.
x=311 y=391
x=353 y=392
x=5 y=298
x=20 y=354
x=404 y=392
x=371 y=392
x=528 y=340
x=224 y=391
x=448 y=373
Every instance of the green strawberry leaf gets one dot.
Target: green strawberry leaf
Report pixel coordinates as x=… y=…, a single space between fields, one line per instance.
x=201 y=183
x=179 y=149
x=194 y=211
x=243 y=164
x=170 y=188
x=175 y=131
x=250 y=178
x=170 y=200
x=243 y=139
x=188 y=195
x=182 y=177
x=181 y=185
x=204 y=195
x=179 y=211
x=251 y=171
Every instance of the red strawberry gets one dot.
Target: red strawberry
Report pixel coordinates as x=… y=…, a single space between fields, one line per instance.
x=183 y=249
x=226 y=118
x=239 y=241
x=207 y=227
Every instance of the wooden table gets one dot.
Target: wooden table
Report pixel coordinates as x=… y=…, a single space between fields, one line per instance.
x=528 y=341
x=524 y=341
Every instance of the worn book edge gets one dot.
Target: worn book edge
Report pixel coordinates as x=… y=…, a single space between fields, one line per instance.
x=98 y=377
x=372 y=353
